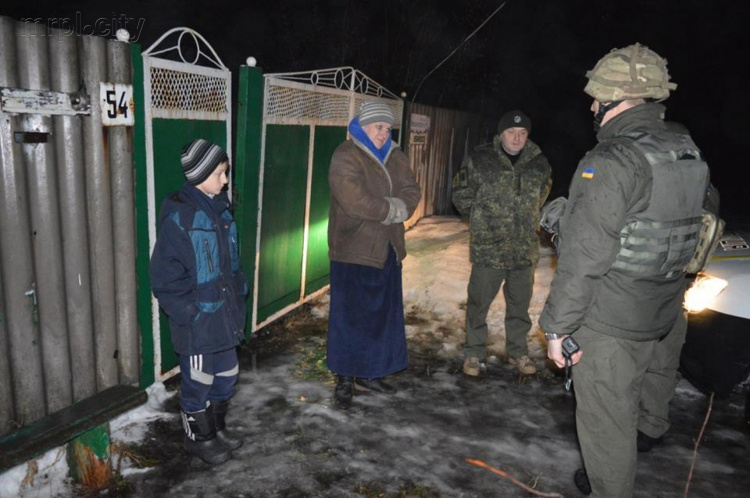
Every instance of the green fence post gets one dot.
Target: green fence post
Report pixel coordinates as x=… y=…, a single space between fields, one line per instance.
x=247 y=171
x=89 y=457
x=143 y=293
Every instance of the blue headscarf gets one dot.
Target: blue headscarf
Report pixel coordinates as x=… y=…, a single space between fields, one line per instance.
x=359 y=135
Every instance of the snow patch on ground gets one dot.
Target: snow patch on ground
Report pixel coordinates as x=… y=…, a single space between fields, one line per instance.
x=129 y=427
x=436 y=276
x=43 y=477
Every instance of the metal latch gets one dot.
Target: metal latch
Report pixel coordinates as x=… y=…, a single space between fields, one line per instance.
x=31 y=293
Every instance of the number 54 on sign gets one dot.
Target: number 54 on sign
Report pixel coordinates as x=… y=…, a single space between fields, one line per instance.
x=116 y=103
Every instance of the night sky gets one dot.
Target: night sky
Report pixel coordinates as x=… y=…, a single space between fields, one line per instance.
x=531 y=55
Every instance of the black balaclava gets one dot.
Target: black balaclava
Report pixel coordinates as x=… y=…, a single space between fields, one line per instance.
x=604 y=109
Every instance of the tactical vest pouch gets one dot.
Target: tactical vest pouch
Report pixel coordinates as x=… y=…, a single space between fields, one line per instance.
x=550 y=219
x=551 y=214
x=712 y=228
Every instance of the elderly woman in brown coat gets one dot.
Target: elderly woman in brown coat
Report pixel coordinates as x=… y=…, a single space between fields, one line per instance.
x=373 y=192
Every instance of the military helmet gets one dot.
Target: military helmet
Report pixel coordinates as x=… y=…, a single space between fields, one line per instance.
x=633 y=72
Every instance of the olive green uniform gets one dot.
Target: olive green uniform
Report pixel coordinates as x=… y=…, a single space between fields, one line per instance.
x=502 y=201
x=624 y=315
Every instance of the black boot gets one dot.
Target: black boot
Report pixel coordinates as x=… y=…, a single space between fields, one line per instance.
x=200 y=437
x=342 y=395
x=581 y=479
x=226 y=436
x=646 y=443
x=374 y=385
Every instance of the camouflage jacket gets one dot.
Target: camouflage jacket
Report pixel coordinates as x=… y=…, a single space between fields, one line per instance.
x=502 y=202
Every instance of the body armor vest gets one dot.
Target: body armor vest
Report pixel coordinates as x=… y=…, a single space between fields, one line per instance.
x=661 y=239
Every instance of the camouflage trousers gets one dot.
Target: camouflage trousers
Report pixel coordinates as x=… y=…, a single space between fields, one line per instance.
x=484 y=284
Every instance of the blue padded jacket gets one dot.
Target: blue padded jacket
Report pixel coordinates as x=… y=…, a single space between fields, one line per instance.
x=195 y=272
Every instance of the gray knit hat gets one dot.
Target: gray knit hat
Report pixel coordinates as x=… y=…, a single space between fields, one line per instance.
x=200 y=158
x=514 y=119
x=372 y=111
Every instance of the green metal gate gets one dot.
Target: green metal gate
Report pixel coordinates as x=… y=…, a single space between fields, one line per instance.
x=184 y=98
x=305 y=116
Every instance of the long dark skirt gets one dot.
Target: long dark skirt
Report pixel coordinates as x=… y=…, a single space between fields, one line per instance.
x=366 y=335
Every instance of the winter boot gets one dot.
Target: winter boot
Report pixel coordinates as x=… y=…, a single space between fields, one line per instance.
x=472 y=366
x=342 y=395
x=581 y=480
x=646 y=443
x=523 y=364
x=200 y=437
x=227 y=437
x=374 y=385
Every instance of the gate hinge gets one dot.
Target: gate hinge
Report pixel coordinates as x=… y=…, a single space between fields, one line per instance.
x=47 y=102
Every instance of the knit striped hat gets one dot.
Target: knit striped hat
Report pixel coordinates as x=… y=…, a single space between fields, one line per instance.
x=200 y=158
x=372 y=111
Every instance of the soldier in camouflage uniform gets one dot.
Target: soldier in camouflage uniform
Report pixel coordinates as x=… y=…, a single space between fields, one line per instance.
x=501 y=188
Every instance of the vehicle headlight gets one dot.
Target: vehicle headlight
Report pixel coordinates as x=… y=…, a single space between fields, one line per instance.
x=703 y=290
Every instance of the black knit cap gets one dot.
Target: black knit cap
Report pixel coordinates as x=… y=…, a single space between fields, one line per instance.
x=514 y=119
x=200 y=158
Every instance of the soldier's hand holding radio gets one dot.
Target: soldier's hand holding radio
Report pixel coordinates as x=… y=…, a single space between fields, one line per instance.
x=563 y=350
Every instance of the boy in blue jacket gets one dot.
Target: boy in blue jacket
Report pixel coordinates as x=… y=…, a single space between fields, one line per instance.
x=195 y=274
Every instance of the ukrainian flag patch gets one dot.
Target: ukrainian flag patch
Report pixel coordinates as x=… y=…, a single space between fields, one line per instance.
x=588 y=173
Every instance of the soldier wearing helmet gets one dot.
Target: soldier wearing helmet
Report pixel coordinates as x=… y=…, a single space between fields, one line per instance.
x=626 y=236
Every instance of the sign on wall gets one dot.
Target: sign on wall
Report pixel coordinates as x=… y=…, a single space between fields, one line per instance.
x=420 y=128
x=116 y=102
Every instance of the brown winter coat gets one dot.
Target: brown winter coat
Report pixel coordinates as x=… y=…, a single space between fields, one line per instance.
x=359 y=185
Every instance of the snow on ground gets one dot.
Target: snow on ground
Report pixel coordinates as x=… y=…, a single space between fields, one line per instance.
x=436 y=275
x=46 y=476
x=414 y=443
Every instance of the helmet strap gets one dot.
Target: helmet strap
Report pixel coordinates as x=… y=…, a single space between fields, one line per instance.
x=604 y=109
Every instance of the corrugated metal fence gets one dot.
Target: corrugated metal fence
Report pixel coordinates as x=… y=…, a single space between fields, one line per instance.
x=67 y=240
x=438 y=155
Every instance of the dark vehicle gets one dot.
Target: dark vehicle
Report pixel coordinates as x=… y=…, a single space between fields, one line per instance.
x=716 y=355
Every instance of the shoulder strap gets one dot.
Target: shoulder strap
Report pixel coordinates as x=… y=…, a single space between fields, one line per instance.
x=629 y=142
